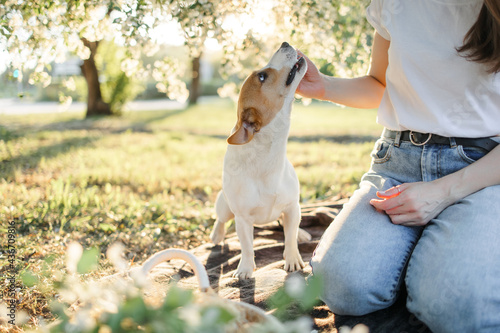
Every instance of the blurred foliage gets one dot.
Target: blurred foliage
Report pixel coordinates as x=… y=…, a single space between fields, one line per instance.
x=117 y=87
x=334 y=33
x=123 y=303
x=297 y=297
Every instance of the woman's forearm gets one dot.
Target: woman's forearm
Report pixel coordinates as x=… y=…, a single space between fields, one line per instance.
x=363 y=92
x=483 y=173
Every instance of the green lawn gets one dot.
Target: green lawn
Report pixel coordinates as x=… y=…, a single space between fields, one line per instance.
x=148 y=179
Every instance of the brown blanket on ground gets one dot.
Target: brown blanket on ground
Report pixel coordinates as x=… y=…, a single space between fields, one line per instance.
x=221 y=262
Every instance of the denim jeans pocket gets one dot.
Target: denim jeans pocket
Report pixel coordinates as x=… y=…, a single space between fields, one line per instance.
x=471 y=154
x=381 y=153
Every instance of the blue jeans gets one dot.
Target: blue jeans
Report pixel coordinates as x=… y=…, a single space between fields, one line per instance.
x=451 y=267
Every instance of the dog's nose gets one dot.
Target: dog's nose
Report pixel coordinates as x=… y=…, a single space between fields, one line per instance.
x=284 y=45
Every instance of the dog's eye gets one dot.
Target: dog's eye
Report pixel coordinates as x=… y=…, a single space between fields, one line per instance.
x=262 y=77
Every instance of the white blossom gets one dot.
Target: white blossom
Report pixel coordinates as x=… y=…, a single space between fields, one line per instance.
x=73 y=255
x=360 y=328
x=295 y=286
x=115 y=255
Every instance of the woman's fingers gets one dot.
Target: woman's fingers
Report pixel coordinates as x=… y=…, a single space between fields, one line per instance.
x=390 y=193
x=388 y=199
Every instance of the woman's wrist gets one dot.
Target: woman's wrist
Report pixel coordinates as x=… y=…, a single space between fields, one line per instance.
x=322 y=95
x=456 y=186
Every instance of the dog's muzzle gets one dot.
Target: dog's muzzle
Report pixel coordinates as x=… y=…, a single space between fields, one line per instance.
x=298 y=65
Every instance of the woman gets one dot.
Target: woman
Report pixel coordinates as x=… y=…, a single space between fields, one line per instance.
x=427 y=213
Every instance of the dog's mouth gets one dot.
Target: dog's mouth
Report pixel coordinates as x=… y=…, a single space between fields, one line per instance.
x=298 y=65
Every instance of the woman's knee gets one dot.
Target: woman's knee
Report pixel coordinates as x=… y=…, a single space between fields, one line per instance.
x=351 y=289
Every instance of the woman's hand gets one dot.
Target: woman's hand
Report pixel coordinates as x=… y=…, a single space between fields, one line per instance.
x=413 y=204
x=312 y=85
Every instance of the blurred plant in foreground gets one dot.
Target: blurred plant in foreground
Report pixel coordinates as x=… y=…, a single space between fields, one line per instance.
x=122 y=303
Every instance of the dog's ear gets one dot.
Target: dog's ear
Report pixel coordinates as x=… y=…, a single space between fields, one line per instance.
x=243 y=134
x=248 y=124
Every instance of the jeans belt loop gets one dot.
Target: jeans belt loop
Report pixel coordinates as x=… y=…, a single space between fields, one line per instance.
x=397 y=140
x=453 y=142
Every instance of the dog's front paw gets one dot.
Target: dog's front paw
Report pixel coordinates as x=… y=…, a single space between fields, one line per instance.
x=244 y=271
x=293 y=262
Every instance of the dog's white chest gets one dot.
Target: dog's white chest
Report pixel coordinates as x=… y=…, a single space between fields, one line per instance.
x=259 y=192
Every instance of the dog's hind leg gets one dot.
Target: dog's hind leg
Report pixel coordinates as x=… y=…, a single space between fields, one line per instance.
x=304 y=236
x=291 y=221
x=224 y=214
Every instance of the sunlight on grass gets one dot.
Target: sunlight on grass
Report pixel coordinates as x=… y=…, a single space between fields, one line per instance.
x=149 y=179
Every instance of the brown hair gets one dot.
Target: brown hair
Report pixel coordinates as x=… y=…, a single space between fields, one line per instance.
x=482 y=41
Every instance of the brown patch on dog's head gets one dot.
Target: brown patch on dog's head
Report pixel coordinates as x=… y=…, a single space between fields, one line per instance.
x=261 y=98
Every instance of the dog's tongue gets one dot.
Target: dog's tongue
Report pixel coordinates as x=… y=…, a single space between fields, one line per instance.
x=299 y=59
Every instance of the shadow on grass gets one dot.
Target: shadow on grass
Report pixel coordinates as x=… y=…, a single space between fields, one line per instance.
x=6 y=135
x=118 y=125
x=31 y=160
x=341 y=139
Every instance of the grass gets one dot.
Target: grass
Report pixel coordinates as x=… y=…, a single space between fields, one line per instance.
x=146 y=179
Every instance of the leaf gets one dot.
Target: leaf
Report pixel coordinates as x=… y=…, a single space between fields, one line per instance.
x=312 y=293
x=177 y=297
x=106 y=227
x=88 y=262
x=224 y=316
x=289 y=307
x=29 y=279
x=136 y=309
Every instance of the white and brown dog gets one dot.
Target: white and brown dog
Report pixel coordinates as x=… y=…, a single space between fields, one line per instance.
x=259 y=184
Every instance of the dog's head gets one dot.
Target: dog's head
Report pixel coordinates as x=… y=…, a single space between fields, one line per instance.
x=264 y=92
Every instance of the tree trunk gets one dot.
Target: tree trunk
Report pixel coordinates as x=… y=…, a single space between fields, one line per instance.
x=95 y=105
x=194 y=91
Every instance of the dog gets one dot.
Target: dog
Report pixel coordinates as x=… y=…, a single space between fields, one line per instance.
x=259 y=184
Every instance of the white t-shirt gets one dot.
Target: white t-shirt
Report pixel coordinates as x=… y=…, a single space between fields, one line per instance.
x=430 y=87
